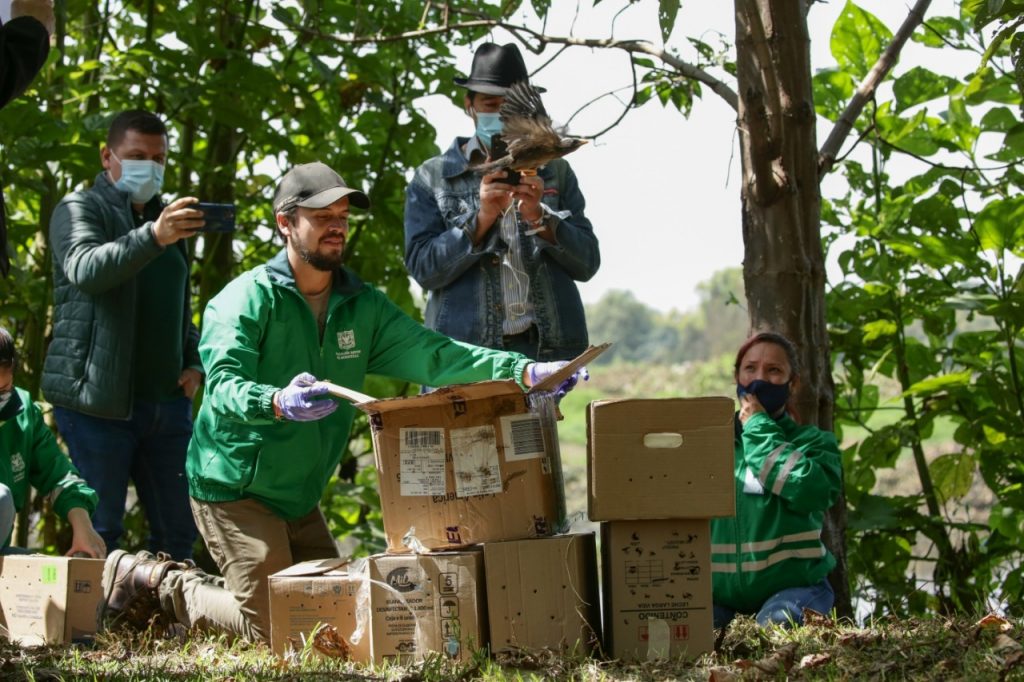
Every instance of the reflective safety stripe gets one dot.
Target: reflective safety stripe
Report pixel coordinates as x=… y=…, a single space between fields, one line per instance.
x=722 y=568
x=808 y=553
x=769 y=462
x=783 y=476
x=767 y=545
x=723 y=549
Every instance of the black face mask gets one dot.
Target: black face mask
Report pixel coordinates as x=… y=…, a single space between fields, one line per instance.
x=773 y=397
x=11 y=407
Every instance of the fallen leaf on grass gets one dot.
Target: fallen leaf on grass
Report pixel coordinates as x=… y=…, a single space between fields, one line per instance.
x=814 y=660
x=722 y=675
x=816 y=619
x=858 y=638
x=993 y=623
x=769 y=667
x=328 y=641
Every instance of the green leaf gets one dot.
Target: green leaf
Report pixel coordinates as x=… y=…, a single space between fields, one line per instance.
x=858 y=39
x=998 y=119
x=940 y=383
x=920 y=85
x=878 y=329
x=952 y=475
x=667 y=10
x=1000 y=225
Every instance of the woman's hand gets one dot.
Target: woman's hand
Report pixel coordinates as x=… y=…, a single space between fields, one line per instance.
x=84 y=537
x=749 y=406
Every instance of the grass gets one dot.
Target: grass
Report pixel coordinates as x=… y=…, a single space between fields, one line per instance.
x=918 y=649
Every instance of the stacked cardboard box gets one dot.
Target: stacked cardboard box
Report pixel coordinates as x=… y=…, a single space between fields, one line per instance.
x=657 y=471
x=460 y=467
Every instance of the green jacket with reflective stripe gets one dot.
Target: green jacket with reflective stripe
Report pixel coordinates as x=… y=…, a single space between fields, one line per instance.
x=786 y=477
x=258 y=333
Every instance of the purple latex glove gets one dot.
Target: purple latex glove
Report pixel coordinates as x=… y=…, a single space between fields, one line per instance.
x=539 y=371
x=298 y=400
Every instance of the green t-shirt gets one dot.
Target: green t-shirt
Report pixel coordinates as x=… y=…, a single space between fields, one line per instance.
x=158 y=337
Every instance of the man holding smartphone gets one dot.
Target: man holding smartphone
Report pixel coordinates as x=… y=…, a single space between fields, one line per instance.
x=499 y=261
x=124 y=364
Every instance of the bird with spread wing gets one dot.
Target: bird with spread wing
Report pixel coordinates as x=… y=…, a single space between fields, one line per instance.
x=530 y=139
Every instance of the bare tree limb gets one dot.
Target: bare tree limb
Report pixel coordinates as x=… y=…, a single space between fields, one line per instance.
x=829 y=150
x=535 y=42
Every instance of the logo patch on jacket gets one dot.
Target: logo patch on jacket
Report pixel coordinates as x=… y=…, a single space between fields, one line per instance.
x=347 y=345
x=17 y=466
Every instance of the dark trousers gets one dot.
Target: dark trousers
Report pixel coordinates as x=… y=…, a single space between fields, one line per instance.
x=148 y=449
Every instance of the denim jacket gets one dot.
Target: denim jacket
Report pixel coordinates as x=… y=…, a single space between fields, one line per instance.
x=463 y=281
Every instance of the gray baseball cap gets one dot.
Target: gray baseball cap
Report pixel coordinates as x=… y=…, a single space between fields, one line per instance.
x=314 y=185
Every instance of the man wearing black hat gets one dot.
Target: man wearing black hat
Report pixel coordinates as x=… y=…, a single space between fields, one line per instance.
x=499 y=261
x=268 y=437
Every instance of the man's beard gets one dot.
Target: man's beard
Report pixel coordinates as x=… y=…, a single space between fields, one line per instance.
x=321 y=261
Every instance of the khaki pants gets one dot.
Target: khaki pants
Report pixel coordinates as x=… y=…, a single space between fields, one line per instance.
x=248 y=542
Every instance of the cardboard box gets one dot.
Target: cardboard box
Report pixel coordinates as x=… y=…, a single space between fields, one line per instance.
x=468 y=464
x=656 y=578
x=313 y=593
x=660 y=459
x=543 y=594
x=49 y=600
x=421 y=603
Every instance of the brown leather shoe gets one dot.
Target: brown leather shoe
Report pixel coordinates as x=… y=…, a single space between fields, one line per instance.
x=130 y=588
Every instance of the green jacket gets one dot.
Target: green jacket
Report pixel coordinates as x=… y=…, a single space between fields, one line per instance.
x=31 y=457
x=258 y=333
x=97 y=252
x=786 y=475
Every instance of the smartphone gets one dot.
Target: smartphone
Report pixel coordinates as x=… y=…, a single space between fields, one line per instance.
x=498 y=150
x=218 y=217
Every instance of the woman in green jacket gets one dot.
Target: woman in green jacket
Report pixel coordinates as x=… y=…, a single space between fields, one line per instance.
x=30 y=456
x=769 y=559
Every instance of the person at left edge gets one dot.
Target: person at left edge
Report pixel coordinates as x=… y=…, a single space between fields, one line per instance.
x=24 y=46
x=267 y=438
x=30 y=456
x=124 y=363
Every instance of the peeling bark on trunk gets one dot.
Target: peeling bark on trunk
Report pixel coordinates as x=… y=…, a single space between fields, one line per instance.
x=783 y=268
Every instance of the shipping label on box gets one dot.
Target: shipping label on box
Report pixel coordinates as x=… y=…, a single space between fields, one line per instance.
x=49 y=600
x=311 y=594
x=660 y=459
x=423 y=603
x=656 y=577
x=465 y=464
x=542 y=593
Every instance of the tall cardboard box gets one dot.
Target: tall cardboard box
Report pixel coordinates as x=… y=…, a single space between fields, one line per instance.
x=422 y=603
x=315 y=593
x=657 y=589
x=542 y=593
x=666 y=458
x=49 y=600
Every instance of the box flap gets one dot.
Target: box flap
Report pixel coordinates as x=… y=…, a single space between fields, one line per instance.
x=315 y=567
x=584 y=358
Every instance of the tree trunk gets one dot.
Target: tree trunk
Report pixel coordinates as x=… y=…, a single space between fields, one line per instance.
x=783 y=266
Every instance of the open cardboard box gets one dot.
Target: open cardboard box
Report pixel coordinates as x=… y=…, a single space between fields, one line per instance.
x=469 y=463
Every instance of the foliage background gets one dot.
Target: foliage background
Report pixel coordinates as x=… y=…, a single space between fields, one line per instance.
x=926 y=317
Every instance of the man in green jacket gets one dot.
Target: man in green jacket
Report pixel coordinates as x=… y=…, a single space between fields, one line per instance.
x=268 y=438
x=30 y=456
x=123 y=365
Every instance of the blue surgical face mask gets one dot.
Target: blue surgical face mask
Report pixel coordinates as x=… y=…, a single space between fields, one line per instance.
x=487 y=126
x=773 y=397
x=143 y=178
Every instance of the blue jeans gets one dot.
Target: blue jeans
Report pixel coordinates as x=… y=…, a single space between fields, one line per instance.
x=785 y=607
x=149 y=449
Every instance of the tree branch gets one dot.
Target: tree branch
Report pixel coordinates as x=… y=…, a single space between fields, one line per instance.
x=829 y=150
x=525 y=34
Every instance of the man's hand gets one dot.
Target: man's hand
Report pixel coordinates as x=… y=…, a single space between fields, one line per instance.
x=41 y=10
x=84 y=537
x=749 y=406
x=529 y=192
x=177 y=221
x=495 y=198
x=304 y=399
x=190 y=381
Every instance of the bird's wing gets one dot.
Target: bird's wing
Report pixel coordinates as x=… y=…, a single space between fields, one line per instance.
x=523 y=101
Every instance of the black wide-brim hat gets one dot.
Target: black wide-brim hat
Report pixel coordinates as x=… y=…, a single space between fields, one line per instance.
x=495 y=69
